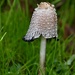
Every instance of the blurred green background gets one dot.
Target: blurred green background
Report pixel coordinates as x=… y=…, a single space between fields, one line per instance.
x=22 y=58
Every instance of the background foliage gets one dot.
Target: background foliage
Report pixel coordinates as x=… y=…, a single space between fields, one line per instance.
x=22 y=58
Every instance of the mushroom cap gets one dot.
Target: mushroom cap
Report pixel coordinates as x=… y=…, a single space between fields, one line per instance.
x=43 y=22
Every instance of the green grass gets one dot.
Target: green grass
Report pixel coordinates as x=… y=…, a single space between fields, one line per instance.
x=22 y=58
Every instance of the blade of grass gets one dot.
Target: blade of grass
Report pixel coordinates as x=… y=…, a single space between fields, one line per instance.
x=3 y=36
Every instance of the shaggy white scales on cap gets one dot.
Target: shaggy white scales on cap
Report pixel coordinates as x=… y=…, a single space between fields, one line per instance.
x=43 y=22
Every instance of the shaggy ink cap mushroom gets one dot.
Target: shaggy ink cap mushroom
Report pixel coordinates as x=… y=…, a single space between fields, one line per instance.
x=43 y=22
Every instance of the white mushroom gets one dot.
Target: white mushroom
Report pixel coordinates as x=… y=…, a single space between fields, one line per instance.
x=44 y=23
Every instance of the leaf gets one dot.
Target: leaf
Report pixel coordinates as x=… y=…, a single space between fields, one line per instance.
x=69 y=62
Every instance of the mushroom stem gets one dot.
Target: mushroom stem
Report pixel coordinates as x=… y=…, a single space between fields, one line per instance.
x=42 y=55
